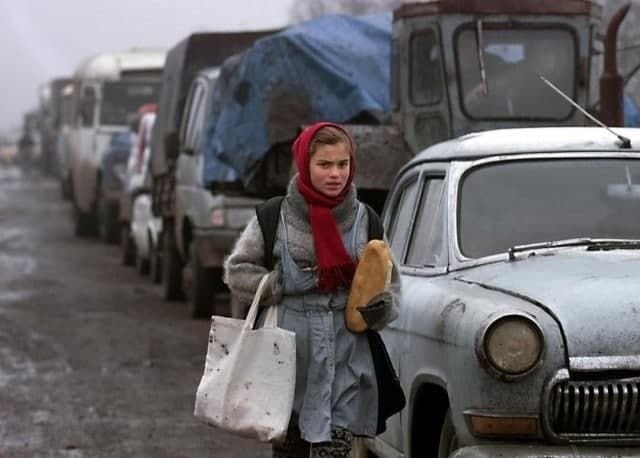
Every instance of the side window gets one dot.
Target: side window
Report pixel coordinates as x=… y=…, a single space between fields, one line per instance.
x=191 y=108
x=426 y=248
x=425 y=73
x=198 y=121
x=400 y=225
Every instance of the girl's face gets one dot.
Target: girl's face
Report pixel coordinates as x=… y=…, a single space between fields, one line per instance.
x=329 y=168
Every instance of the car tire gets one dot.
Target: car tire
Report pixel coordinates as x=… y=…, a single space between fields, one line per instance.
x=127 y=246
x=202 y=287
x=171 y=267
x=448 y=438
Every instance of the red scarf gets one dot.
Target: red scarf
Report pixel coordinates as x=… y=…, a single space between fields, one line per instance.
x=335 y=266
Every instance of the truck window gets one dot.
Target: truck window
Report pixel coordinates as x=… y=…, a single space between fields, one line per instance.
x=123 y=98
x=513 y=59
x=425 y=74
x=400 y=223
x=426 y=246
x=190 y=125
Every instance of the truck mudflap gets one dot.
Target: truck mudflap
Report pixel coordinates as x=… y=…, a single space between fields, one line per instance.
x=380 y=153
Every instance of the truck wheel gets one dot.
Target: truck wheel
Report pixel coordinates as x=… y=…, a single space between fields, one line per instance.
x=127 y=247
x=171 y=267
x=155 y=262
x=65 y=189
x=202 y=287
x=448 y=438
x=83 y=222
x=108 y=224
x=142 y=265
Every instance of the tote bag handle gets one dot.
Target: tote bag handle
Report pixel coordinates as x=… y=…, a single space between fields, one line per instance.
x=271 y=319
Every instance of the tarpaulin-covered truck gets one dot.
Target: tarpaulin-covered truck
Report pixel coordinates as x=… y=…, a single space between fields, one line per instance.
x=184 y=60
x=235 y=150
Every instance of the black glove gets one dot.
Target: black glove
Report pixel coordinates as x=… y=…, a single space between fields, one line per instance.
x=379 y=311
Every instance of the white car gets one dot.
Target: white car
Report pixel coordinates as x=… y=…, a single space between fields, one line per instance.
x=141 y=232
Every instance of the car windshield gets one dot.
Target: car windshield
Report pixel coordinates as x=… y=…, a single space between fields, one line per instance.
x=520 y=202
x=512 y=60
x=121 y=99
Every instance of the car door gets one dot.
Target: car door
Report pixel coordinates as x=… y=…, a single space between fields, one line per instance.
x=415 y=220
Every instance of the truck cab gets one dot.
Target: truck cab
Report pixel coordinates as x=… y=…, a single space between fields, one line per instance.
x=208 y=217
x=475 y=65
x=107 y=89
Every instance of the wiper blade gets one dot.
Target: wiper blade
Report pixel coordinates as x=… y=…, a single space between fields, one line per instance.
x=592 y=244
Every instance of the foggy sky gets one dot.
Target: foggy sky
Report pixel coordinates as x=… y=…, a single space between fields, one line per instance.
x=44 y=39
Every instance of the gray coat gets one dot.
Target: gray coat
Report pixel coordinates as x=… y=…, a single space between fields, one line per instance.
x=336 y=382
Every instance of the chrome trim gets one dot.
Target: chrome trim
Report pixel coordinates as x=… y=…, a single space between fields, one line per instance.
x=604 y=363
x=484 y=359
x=603 y=410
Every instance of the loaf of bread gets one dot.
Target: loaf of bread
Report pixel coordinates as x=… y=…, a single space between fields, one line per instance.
x=372 y=277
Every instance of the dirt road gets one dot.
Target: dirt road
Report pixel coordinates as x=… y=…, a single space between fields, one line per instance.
x=93 y=363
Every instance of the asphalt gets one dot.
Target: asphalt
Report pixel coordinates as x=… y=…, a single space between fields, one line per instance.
x=93 y=362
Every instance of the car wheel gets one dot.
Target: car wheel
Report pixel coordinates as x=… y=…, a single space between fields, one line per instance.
x=155 y=262
x=448 y=438
x=202 y=287
x=171 y=267
x=127 y=247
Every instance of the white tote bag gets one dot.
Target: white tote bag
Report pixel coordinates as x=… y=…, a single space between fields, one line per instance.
x=249 y=376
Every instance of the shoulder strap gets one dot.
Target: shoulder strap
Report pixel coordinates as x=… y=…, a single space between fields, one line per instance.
x=268 y=213
x=376 y=230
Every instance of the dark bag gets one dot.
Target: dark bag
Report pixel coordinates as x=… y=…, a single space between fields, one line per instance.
x=391 y=399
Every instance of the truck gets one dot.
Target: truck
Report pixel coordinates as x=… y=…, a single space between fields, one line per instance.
x=192 y=54
x=108 y=88
x=213 y=197
x=50 y=98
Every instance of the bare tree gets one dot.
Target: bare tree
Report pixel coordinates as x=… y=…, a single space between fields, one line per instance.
x=307 y=9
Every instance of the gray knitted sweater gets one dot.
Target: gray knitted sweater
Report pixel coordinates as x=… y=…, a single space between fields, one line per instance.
x=244 y=267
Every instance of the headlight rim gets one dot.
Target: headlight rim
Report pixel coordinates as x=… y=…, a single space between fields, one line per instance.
x=486 y=361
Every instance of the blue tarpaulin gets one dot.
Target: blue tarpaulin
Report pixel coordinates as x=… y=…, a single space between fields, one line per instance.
x=631 y=112
x=331 y=68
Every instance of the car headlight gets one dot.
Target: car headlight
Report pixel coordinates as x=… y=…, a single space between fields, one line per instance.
x=513 y=345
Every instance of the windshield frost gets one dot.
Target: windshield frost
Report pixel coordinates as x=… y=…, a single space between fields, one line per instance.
x=520 y=202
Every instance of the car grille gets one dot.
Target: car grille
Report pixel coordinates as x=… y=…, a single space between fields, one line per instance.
x=596 y=409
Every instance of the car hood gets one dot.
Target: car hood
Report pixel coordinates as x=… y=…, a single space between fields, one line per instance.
x=595 y=296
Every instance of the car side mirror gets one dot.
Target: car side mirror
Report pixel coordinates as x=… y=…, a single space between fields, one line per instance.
x=172 y=144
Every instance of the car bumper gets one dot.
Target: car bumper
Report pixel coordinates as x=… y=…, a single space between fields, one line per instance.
x=546 y=451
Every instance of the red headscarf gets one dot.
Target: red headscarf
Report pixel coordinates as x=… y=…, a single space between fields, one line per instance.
x=335 y=266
